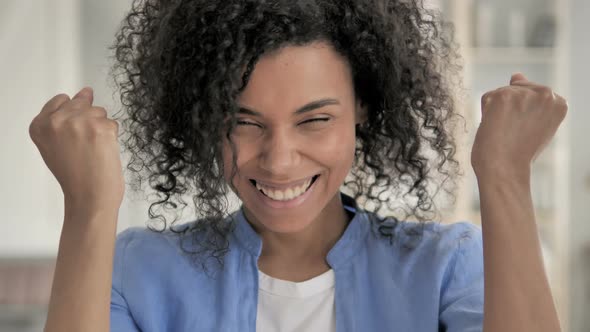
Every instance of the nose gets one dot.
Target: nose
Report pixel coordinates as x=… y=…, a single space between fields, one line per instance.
x=279 y=155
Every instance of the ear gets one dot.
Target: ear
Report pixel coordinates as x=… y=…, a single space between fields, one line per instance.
x=361 y=112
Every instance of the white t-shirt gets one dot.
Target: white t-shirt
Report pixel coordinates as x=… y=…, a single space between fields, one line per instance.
x=286 y=306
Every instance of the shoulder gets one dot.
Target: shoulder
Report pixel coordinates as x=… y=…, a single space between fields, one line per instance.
x=149 y=264
x=178 y=247
x=429 y=242
x=452 y=236
x=139 y=238
x=141 y=241
x=427 y=257
x=447 y=238
x=430 y=233
x=152 y=266
x=140 y=248
x=135 y=248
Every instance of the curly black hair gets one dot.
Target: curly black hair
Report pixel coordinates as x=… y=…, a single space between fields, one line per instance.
x=179 y=65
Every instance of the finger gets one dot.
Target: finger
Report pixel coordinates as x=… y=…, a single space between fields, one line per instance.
x=518 y=78
x=54 y=104
x=86 y=94
x=92 y=112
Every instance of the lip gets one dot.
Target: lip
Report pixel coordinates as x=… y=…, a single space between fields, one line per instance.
x=286 y=204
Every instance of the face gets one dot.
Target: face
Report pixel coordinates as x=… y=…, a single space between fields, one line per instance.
x=295 y=137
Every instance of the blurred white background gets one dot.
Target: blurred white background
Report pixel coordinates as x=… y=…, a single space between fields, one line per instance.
x=54 y=46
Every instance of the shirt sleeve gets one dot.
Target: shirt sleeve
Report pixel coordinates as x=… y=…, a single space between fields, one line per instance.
x=462 y=296
x=121 y=318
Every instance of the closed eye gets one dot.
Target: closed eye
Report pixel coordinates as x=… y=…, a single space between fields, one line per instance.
x=246 y=123
x=315 y=120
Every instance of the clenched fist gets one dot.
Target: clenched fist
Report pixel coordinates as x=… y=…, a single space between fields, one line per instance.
x=79 y=145
x=517 y=122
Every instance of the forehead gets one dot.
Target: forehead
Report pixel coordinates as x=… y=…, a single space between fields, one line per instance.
x=295 y=75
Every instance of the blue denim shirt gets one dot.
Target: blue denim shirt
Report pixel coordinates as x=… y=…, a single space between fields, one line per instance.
x=379 y=285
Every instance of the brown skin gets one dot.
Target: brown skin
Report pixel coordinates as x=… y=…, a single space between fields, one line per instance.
x=79 y=145
x=517 y=123
x=279 y=147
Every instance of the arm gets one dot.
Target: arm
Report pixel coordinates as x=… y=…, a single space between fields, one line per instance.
x=81 y=290
x=79 y=144
x=517 y=294
x=518 y=121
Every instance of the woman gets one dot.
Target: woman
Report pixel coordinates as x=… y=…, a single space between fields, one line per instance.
x=285 y=104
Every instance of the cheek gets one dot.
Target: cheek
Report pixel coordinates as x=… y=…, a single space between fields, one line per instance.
x=336 y=148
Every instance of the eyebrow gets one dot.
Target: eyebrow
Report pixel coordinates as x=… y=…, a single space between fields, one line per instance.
x=306 y=108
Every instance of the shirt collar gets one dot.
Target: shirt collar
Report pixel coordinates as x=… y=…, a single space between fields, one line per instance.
x=340 y=254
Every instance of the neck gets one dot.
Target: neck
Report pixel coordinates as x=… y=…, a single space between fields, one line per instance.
x=297 y=256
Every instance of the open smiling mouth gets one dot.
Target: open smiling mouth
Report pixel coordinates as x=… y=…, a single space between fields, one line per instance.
x=284 y=195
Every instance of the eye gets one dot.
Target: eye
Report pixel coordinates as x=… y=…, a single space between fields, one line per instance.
x=246 y=123
x=316 y=120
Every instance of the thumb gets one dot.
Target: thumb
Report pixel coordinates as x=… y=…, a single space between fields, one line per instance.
x=86 y=93
x=518 y=77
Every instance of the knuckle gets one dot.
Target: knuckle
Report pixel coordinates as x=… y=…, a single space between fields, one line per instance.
x=487 y=97
x=61 y=96
x=53 y=123
x=59 y=99
x=102 y=127
x=562 y=105
x=109 y=126
x=115 y=132
x=503 y=94
x=55 y=102
x=561 y=100
x=95 y=130
x=100 y=111
x=546 y=93
x=76 y=126
x=33 y=128
x=115 y=125
x=95 y=124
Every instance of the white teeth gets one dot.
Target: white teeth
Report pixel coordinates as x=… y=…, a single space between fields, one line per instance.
x=289 y=194
x=284 y=195
x=279 y=195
